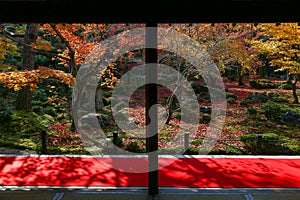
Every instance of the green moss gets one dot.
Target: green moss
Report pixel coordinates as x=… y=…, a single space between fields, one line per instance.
x=197 y=141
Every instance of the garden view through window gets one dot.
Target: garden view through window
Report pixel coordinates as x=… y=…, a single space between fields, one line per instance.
x=259 y=64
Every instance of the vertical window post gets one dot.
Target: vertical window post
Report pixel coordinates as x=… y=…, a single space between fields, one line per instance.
x=151 y=100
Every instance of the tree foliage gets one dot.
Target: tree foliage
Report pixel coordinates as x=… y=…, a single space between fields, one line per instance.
x=281 y=45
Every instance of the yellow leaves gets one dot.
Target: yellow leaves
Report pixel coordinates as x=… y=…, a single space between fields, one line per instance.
x=18 y=80
x=56 y=100
x=7 y=47
x=42 y=44
x=45 y=72
x=281 y=47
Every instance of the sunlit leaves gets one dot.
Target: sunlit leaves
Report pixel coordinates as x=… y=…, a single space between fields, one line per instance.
x=225 y=42
x=19 y=79
x=7 y=47
x=282 y=46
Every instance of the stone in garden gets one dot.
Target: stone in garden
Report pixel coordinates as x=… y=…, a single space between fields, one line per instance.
x=291 y=117
x=205 y=109
x=257 y=96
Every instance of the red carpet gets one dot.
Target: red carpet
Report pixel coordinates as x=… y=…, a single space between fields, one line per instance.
x=200 y=172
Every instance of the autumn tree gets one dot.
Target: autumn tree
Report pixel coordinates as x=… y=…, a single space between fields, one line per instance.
x=68 y=44
x=281 y=46
x=23 y=101
x=225 y=43
x=24 y=76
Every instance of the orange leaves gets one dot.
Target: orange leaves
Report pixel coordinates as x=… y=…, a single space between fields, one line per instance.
x=19 y=79
x=42 y=44
x=44 y=72
x=74 y=38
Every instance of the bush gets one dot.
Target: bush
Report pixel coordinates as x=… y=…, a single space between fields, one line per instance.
x=279 y=99
x=246 y=102
x=206 y=118
x=197 y=141
x=50 y=111
x=5 y=116
x=262 y=84
x=273 y=111
x=26 y=123
x=134 y=147
x=229 y=150
x=37 y=109
x=231 y=100
x=285 y=86
x=269 y=143
x=174 y=151
x=251 y=111
x=231 y=95
x=273 y=94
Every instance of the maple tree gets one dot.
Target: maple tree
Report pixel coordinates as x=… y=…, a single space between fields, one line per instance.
x=20 y=79
x=68 y=44
x=24 y=97
x=281 y=46
x=227 y=44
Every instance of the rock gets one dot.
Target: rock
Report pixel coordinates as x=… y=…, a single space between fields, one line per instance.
x=103 y=119
x=205 y=109
x=94 y=119
x=291 y=117
x=198 y=88
x=257 y=96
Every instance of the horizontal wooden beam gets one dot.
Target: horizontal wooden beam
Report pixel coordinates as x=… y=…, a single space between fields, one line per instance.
x=149 y=12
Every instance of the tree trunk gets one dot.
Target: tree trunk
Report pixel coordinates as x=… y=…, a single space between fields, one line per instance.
x=99 y=99
x=262 y=72
x=24 y=98
x=294 y=88
x=240 y=81
x=288 y=79
x=240 y=78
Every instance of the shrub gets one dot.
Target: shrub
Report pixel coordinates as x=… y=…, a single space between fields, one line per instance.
x=231 y=100
x=26 y=123
x=192 y=151
x=273 y=94
x=134 y=147
x=206 y=117
x=246 y=102
x=273 y=111
x=50 y=111
x=251 y=111
x=177 y=115
x=5 y=116
x=37 y=109
x=197 y=141
x=279 y=99
x=262 y=84
x=269 y=143
x=285 y=86
x=231 y=95
x=229 y=150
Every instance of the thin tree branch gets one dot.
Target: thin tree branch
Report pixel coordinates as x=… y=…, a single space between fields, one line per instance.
x=40 y=51
x=71 y=50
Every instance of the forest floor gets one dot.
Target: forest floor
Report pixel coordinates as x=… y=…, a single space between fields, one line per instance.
x=237 y=124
